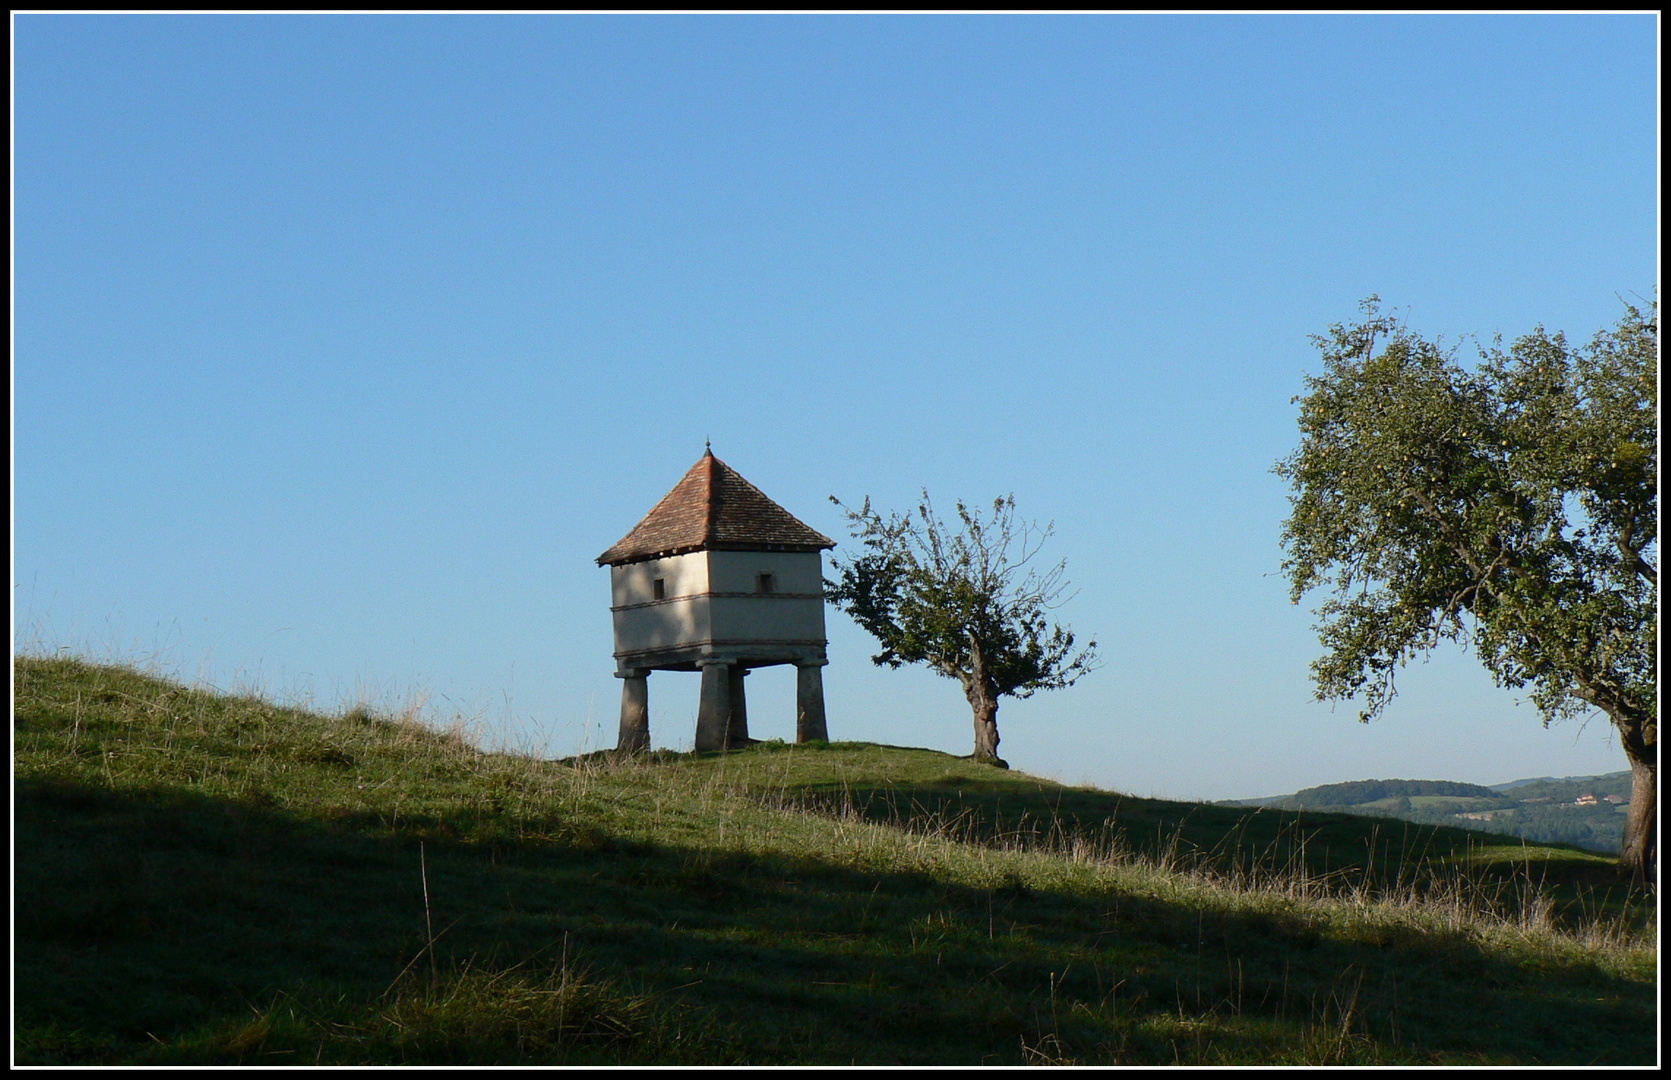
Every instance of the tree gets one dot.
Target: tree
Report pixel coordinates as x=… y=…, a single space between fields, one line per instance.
x=960 y=602
x=1511 y=509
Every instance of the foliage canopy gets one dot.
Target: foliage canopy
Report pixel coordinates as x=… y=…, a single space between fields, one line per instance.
x=1511 y=508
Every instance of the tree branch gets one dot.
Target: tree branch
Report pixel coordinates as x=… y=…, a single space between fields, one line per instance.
x=1633 y=556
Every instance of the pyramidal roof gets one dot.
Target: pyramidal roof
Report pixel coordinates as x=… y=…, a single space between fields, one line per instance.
x=713 y=508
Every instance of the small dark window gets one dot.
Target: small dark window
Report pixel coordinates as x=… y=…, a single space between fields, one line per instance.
x=659 y=586
x=763 y=583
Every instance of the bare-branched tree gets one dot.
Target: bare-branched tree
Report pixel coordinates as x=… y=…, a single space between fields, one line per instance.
x=965 y=601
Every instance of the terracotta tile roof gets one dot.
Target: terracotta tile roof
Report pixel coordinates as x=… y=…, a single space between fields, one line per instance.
x=713 y=508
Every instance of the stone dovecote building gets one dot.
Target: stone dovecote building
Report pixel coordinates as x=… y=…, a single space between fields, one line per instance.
x=718 y=578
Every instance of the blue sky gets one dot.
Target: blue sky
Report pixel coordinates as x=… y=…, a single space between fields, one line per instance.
x=343 y=345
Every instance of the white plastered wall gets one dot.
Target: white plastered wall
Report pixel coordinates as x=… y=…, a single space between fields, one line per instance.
x=712 y=596
x=793 y=611
x=682 y=617
x=682 y=575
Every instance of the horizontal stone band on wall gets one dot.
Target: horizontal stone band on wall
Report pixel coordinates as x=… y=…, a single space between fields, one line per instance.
x=721 y=595
x=731 y=643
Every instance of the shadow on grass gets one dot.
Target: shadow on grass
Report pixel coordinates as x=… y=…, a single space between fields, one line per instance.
x=1336 y=852
x=160 y=926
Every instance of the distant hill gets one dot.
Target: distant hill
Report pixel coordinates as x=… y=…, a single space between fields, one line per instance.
x=1543 y=809
x=1364 y=791
x=1569 y=787
x=1512 y=784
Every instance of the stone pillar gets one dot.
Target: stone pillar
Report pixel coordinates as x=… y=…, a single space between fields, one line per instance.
x=635 y=710
x=713 y=714
x=737 y=731
x=809 y=701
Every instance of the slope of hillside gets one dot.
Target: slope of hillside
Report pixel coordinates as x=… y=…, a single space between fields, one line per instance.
x=209 y=879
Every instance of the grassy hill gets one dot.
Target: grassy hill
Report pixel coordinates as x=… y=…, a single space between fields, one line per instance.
x=1541 y=811
x=210 y=879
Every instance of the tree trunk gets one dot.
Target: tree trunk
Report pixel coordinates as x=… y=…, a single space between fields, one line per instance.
x=1638 y=730
x=983 y=699
x=1640 y=853
x=986 y=726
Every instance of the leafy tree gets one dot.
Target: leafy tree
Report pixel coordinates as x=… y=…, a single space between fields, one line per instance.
x=964 y=602
x=1511 y=508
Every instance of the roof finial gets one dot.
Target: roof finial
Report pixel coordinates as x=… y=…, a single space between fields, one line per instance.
x=707 y=445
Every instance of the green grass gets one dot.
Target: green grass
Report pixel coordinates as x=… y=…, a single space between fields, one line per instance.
x=210 y=879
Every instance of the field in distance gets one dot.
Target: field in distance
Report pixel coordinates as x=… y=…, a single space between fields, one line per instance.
x=209 y=879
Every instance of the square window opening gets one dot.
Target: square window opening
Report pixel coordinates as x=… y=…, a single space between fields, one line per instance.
x=659 y=588
x=764 y=583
